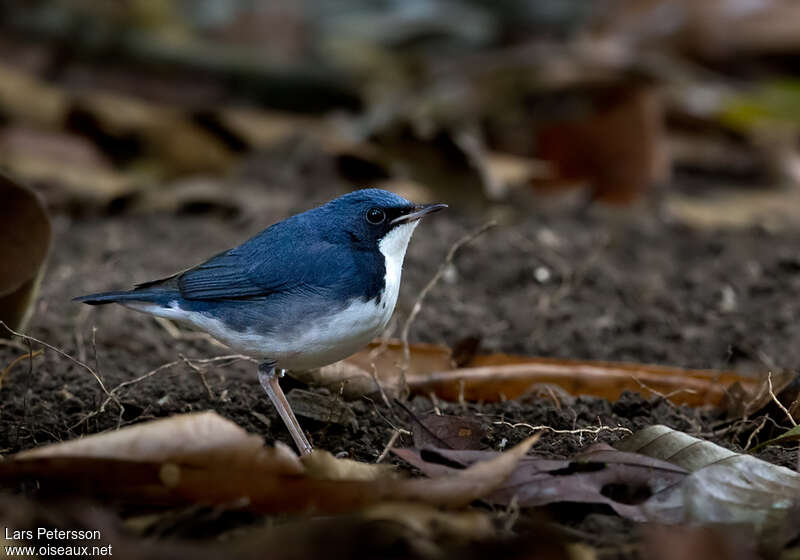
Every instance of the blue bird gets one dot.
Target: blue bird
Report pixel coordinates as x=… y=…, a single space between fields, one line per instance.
x=304 y=293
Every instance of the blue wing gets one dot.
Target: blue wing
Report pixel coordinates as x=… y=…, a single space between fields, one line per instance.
x=279 y=259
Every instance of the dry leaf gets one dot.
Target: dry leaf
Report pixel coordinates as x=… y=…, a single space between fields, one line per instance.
x=204 y=459
x=724 y=486
x=199 y=438
x=322 y=465
x=24 y=243
x=601 y=475
x=499 y=376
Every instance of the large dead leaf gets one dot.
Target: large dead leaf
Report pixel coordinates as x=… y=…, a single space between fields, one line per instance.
x=202 y=458
x=724 y=486
x=24 y=242
x=601 y=475
x=499 y=376
x=657 y=474
x=431 y=368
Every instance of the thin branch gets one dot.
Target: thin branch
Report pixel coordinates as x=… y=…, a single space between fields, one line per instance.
x=777 y=402
x=576 y=431
x=388 y=448
x=59 y=352
x=434 y=280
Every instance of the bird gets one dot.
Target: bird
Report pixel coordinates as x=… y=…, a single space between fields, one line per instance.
x=305 y=292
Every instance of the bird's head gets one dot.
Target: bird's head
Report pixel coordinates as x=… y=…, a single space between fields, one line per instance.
x=371 y=219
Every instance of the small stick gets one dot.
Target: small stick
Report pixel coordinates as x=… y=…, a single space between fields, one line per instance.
x=60 y=352
x=433 y=281
x=392 y=441
x=755 y=432
x=576 y=431
x=775 y=399
x=200 y=373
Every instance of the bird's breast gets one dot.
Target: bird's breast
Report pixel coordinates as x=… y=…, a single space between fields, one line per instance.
x=330 y=337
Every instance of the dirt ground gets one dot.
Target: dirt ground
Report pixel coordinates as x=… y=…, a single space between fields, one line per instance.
x=549 y=281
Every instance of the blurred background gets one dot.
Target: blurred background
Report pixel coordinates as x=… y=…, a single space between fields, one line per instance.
x=640 y=157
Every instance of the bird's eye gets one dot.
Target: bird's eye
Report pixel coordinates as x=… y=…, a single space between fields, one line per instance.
x=375 y=216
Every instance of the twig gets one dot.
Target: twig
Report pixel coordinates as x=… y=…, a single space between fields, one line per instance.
x=659 y=393
x=61 y=353
x=113 y=393
x=200 y=373
x=433 y=281
x=576 y=431
x=775 y=399
x=755 y=432
x=380 y=387
x=388 y=448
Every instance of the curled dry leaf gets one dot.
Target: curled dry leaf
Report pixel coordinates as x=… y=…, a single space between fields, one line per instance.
x=601 y=475
x=322 y=465
x=657 y=474
x=24 y=243
x=723 y=487
x=495 y=377
x=199 y=439
x=204 y=459
x=498 y=376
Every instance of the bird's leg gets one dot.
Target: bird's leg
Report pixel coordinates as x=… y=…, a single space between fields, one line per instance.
x=268 y=377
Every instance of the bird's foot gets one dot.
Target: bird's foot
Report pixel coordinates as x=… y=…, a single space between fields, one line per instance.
x=268 y=376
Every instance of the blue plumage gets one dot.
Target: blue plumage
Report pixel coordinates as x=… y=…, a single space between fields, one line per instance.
x=303 y=293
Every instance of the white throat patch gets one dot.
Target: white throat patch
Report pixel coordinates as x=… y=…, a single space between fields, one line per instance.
x=393 y=248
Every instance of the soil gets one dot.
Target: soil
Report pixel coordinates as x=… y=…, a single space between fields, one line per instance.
x=550 y=281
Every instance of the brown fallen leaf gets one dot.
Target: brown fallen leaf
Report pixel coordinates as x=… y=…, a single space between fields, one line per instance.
x=600 y=475
x=497 y=377
x=322 y=465
x=201 y=439
x=494 y=377
x=203 y=459
x=25 y=233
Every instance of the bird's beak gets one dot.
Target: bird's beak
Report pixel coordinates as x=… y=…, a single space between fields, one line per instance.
x=418 y=212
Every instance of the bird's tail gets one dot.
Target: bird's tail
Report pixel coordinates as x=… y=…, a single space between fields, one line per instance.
x=120 y=297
